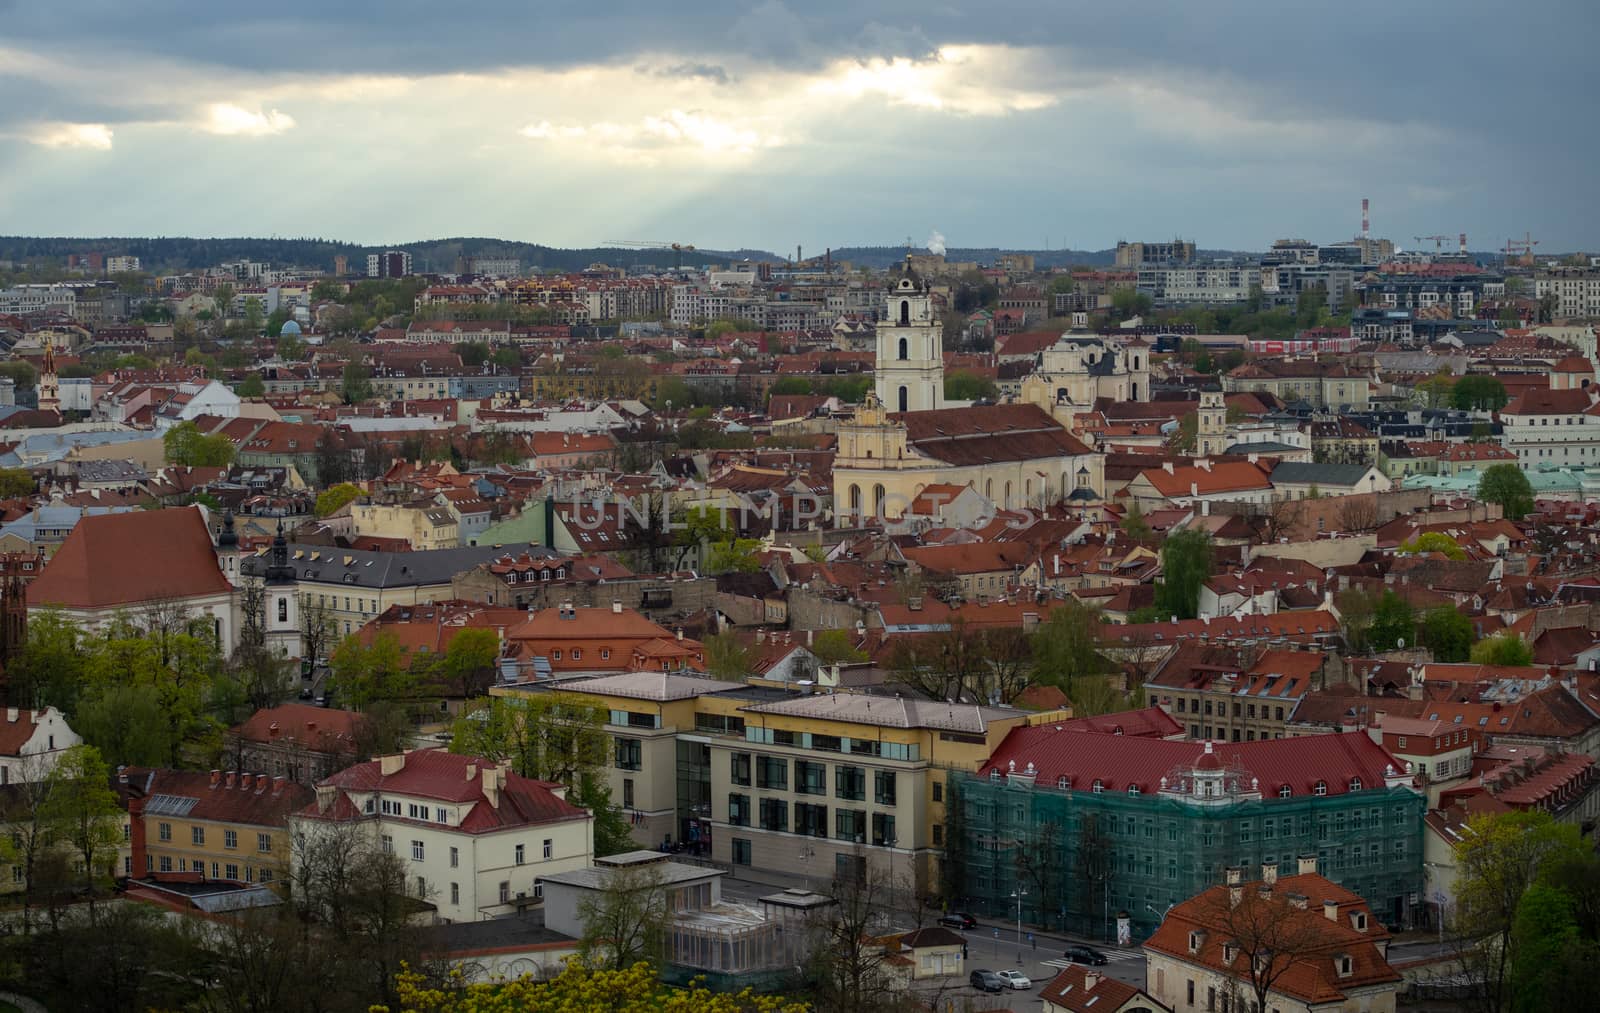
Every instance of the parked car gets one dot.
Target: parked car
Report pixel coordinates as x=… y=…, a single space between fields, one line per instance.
x=1015 y=979
x=1086 y=955
x=958 y=920
x=987 y=981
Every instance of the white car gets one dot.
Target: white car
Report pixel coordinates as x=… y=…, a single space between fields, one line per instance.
x=1015 y=979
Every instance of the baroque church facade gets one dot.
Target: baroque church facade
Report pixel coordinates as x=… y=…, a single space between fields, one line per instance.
x=906 y=437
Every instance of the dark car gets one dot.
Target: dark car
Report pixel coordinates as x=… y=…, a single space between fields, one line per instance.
x=987 y=981
x=1086 y=955
x=958 y=920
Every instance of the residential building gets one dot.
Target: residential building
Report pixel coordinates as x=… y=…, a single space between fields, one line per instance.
x=1576 y=289
x=616 y=639
x=388 y=264
x=1080 y=989
x=1197 y=283
x=1197 y=960
x=1162 y=818
x=474 y=836
x=1544 y=426
x=1221 y=692
x=1305 y=480
x=424 y=525
x=31 y=741
x=231 y=826
x=1136 y=255
x=1309 y=382
x=1203 y=482
x=296 y=741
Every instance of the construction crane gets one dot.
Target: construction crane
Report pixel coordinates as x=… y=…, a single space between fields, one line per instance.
x=678 y=249
x=1523 y=247
x=1438 y=241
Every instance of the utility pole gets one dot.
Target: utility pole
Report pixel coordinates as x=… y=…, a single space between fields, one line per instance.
x=1019 y=894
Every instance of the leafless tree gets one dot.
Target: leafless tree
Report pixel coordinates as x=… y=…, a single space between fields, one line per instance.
x=1266 y=932
x=1358 y=513
x=1281 y=518
x=626 y=920
x=317 y=628
x=850 y=969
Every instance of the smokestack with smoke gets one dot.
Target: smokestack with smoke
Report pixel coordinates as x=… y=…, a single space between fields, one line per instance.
x=936 y=243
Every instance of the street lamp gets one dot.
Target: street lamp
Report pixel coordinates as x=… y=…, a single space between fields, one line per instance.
x=1019 y=894
x=1161 y=915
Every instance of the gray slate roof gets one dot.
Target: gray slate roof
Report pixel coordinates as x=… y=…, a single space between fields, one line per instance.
x=367 y=568
x=1324 y=474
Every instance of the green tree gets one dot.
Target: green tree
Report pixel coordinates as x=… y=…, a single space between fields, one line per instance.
x=184 y=444
x=16 y=482
x=473 y=353
x=1135 y=526
x=83 y=808
x=1448 y=634
x=333 y=499
x=1063 y=285
x=1497 y=859
x=737 y=555
x=22 y=374
x=251 y=386
x=254 y=317
x=222 y=300
x=1506 y=485
x=633 y=989
x=365 y=673
x=1434 y=542
x=702 y=526
x=835 y=647
x=356 y=385
x=507 y=358
x=467 y=666
x=290 y=348
x=127 y=725
x=626 y=920
x=727 y=657
x=1550 y=960
x=276 y=319
x=1478 y=392
x=789 y=385
x=1311 y=306
x=1185 y=565
x=1066 y=649
x=1393 y=621
x=1437 y=390
x=964 y=386
x=1503 y=649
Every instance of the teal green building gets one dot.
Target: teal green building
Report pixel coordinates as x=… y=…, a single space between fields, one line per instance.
x=1084 y=827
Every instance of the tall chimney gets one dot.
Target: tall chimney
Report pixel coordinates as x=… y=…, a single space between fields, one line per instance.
x=1366 y=222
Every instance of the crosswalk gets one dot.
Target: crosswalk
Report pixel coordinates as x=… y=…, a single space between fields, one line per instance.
x=1062 y=963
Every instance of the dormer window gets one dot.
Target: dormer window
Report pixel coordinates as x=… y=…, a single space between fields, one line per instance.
x=1228 y=952
x=1133 y=789
x=1359 y=920
x=1320 y=788
x=1355 y=784
x=1285 y=791
x=1344 y=964
x=1196 y=939
x=994 y=775
x=1063 y=783
x=1097 y=787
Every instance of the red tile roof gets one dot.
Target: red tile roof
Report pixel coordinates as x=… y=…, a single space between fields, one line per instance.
x=1086 y=990
x=1119 y=762
x=112 y=560
x=251 y=799
x=323 y=729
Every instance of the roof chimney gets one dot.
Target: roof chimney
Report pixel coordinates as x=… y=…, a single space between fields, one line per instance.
x=494 y=778
x=1330 y=909
x=1091 y=980
x=392 y=764
x=11 y=715
x=277 y=785
x=216 y=778
x=228 y=781
x=616 y=606
x=261 y=782
x=1308 y=865
x=1269 y=873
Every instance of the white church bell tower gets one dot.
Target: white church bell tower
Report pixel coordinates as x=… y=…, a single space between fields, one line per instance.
x=910 y=366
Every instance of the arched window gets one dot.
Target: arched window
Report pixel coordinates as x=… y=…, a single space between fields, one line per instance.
x=1285 y=791
x=905 y=313
x=904 y=345
x=1061 y=393
x=1320 y=788
x=283 y=610
x=1008 y=495
x=1355 y=784
x=905 y=399
x=988 y=489
x=1133 y=391
x=855 y=499
x=877 y=501
x=1027 y=491
x=1135 y=362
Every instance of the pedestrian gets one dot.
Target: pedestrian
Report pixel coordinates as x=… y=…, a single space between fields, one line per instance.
x=1035 y=941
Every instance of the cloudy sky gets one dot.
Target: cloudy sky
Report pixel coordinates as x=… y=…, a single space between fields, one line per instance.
x=767 y=124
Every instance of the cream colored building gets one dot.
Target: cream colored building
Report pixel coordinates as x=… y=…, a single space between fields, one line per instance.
x=1082 y=367
x=424 y=525
x=473 y=836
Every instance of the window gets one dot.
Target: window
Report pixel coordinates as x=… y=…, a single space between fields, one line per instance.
x=883 y=787
x=416 y=851
x=1321 y=788
x=166 y=863
x=455 y=858
x=164 y=831
x=1097 y=787
x=283 y=610
x=1285 y=791
x=772 y=772
x=741 y=851
x=810 y=778
x=230 y=871
x=629 y=754
x=883 y=833
x=388 y=844
x=264 y=843
x=505 y=892
x=811 y=820
x=774 y=814
x=849 y=824
x=627 y=793
x=549 y=847
x=739 y=810
x=740 y=768
x=938 y=835
x=441 y=815
x=938 y=791
x=521 y=858
x=197 y=836
x=455 y=893
x=850 y=783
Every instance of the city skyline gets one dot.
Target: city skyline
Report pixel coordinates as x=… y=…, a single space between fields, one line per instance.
x=1016 y=127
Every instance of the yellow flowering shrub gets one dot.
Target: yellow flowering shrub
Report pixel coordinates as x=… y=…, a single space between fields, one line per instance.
x=579 y=989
